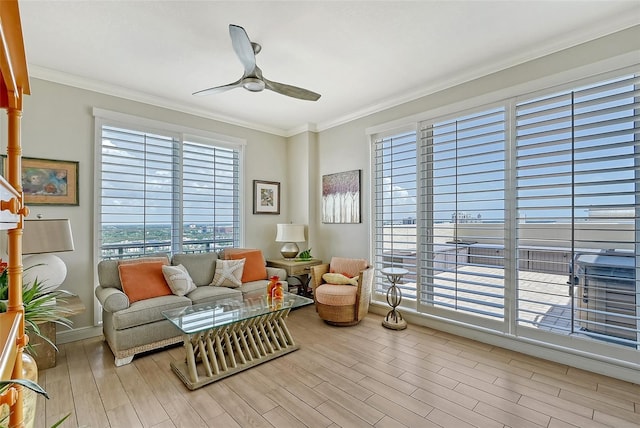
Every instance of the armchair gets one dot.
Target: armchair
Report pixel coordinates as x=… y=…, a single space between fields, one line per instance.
x=342 y=304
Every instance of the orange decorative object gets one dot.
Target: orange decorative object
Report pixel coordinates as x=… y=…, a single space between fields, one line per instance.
x=277 y=296
x=270 y=286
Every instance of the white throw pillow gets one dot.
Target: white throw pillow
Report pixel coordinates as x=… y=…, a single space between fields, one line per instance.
x=228 y=273
x=179 y=280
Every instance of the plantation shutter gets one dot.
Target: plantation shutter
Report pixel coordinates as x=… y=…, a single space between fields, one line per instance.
x=137 y=201
x=462 y=166
x=210 y=187
x=395 y=210
x=578 y=200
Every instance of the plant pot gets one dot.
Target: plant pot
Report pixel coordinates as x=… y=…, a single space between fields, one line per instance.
x=29 y=397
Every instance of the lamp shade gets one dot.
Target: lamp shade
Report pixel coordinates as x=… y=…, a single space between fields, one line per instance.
x=290 y=233
x=47 y=236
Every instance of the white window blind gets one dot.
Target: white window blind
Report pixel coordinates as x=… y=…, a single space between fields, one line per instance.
x=462 y=165
x=577 y=197
x=161 y=195
x=137 y=192
x=210 y=187
x=395 y=208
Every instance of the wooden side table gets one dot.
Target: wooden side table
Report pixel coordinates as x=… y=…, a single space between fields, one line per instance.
x=45 y=354
x=298 y=269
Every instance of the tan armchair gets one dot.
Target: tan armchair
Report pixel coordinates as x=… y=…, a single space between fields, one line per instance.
x=342 y=304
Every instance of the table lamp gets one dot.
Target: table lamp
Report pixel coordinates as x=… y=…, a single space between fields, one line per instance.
x=290 y=234
x=40 y=239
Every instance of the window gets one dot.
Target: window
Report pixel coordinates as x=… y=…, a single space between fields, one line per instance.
x=165 y=193
x=577 y=199
x=395 y=207
x=526 y=216
x=210 y=194
x=463 y=187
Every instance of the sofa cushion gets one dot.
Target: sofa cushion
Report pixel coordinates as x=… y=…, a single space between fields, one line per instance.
x=143 y=280
x=178 y=279
x=211 y=294
x=108 y=274
x=228 y=273
x=259 y=286
x=148 y=311
x=201 y=266
x=336 y=295
x=255 y=267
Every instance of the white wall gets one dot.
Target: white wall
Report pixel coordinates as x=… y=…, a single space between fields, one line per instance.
x=302 y=173
x=58 y=124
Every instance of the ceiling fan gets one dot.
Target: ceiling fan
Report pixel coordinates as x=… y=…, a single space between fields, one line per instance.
x=252 y=79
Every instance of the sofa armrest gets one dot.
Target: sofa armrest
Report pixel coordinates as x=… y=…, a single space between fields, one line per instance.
x=274 y=271
x=111 y=299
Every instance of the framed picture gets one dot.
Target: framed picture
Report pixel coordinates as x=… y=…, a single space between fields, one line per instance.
x=49 y=182
x=341 y=197
x=266 y=197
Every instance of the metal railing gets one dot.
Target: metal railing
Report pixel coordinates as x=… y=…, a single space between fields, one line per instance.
x=125 y=250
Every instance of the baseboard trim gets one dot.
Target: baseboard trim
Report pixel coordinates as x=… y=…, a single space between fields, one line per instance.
x=76 y=334
x=544 y=351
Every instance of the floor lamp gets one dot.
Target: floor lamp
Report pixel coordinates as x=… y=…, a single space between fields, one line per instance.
x=40 y=239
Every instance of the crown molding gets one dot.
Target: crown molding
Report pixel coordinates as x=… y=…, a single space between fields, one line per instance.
x=142 y=97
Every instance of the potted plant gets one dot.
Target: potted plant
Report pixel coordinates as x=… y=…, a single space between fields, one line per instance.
x=39 y=305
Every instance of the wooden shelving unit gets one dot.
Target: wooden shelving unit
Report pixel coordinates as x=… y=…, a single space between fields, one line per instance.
x=14 y=84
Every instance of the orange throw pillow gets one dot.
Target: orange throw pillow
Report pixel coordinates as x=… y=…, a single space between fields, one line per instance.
x=143 y=280
x=254 y=265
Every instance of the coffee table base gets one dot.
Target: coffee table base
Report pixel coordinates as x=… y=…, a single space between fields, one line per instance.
x=216 y=353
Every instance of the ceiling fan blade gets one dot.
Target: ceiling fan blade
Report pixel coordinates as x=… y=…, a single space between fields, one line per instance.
x=291 y=91
x=218 y=89
x=243 y=48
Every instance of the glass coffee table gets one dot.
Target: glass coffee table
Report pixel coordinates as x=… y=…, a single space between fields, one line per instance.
x=230 y=335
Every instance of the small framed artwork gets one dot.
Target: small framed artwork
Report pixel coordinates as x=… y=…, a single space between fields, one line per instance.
x=49 y=182
x=266 y=197
x=341 y=197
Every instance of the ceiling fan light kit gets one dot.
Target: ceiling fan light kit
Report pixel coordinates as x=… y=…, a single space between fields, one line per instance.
x=252 y=79
x=252 y=84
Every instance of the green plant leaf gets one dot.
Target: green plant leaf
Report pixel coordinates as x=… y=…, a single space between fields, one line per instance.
x=26 y=383
x=57 y=424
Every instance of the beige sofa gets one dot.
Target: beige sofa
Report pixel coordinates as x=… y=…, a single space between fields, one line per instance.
x=130 y=328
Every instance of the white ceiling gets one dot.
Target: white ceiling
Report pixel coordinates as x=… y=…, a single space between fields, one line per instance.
x=362 y=56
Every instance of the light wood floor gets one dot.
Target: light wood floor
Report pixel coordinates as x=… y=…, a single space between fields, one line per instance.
x=358 y=376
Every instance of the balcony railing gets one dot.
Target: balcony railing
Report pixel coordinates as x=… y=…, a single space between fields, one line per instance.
x=124 y=250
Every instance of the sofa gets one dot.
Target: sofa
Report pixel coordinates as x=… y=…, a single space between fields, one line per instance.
x=134 y=293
